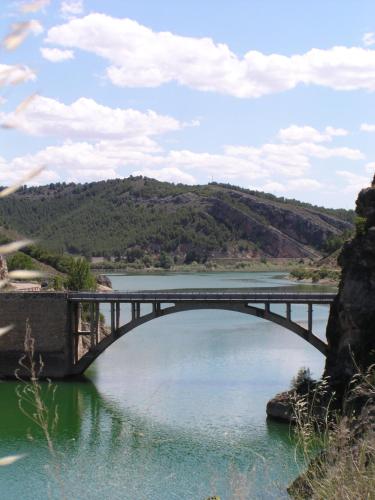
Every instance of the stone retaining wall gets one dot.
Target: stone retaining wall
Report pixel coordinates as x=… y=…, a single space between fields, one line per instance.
x=48 y=316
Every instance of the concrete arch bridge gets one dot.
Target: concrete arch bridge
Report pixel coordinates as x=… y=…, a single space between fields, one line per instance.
x=90 y=338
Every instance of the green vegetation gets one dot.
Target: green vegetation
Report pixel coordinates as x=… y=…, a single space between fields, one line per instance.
x=336 y=242
x=61 y=263
x=360 y=225
x=20 y=260
x=58 y=283
x=135 y=220
x=80 y=276
x=315 y=275
x=303 y=382
x=165 y=261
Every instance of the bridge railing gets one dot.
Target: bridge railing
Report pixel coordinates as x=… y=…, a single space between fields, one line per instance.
x=169 y=296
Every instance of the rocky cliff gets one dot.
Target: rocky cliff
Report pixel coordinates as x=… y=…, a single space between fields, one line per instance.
x=351 y=324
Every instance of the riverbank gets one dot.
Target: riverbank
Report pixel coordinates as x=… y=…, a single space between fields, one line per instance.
x=217 y=266
x=313 y=274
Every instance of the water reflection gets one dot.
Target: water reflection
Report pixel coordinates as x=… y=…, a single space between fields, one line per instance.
x=109 y=451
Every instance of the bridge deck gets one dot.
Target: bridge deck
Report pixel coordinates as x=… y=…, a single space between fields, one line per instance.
x=197 y=296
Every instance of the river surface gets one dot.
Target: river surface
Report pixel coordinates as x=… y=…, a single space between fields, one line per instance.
x=174 y=410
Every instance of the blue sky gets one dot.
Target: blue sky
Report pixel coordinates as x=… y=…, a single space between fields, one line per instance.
x=269 y=95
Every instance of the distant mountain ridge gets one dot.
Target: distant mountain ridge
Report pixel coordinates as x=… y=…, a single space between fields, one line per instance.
x=137 y=216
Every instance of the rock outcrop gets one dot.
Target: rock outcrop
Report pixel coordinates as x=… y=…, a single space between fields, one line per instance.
x=351 y=324
x=280 y=407
x=104 y=281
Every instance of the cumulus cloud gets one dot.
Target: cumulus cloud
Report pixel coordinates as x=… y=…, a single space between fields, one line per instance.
x=104 y=142
x=86 y=119
x=302 y=184
x=367 y=127
x=336 y=132
x=354 y=182
x=72 y=8
x=141 y=57
x=305 y=184
x=12 y=75
x=170 y=174
x=56 y=55
x=273 y=187
x=140 y=154
x=368 y=39
x=296 y=133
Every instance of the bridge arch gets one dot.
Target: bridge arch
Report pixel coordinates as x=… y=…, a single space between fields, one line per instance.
x=137 y=320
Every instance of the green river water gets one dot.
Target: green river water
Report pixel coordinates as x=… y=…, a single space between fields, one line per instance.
x=174 y=410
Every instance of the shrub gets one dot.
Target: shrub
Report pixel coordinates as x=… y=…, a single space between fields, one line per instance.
x=360 y=225
x=20 y=261
x=165 y=261
x=80 y=276
x=303 y=382
x=58 y=283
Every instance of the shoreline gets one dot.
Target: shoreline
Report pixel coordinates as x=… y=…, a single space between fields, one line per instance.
x=284 y=266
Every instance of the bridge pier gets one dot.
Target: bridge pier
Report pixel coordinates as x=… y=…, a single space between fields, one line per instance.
x=309 y=317
x=288 y=311
x=113 y=324
x=118 y=313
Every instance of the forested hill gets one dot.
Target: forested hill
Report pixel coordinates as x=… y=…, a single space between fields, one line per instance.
x=138 y=216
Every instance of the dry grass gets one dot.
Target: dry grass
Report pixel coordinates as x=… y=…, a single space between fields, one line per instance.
x=339 y=452
x=38 y=404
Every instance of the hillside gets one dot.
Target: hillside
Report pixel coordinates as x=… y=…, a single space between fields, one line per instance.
x=136 y=217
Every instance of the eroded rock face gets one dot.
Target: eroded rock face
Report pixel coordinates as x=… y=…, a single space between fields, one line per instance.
x=351 y=324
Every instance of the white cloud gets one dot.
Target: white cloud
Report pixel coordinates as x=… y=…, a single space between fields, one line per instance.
x=273 y=187
x=354 y=182
x=86 y=119
x=368 y=39
x=170 y=174
x=367 y=127
x=56 y=55
x=336 y=132
x=12 y=75
x=305 y=184
x=142 y=155
x=297 y=133
x=140 y=57
x=302 y=184
x=70 y=9
x=35 y=27
x=102 y=142
x=11 y=172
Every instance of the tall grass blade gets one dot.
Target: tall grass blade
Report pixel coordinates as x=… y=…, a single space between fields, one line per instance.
x=11 y=189
x=5 y=329
x=14 y=246
x=19 y=33
x=25 y=274
x=10 y=459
